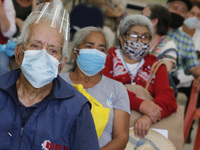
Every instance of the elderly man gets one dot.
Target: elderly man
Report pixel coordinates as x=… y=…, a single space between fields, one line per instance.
x=188 y=61
x=38 y=109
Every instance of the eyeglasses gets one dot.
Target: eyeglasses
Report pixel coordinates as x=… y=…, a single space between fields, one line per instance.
x=134 y=37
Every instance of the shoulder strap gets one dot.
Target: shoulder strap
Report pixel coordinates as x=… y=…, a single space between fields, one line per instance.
x=153 y=71
x=167 y=51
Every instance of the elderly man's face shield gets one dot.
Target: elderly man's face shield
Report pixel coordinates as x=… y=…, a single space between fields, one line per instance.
x=57 y=17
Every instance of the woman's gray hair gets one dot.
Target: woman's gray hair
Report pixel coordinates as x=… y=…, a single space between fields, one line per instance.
x=32 y=19
x=81 y=35
x=134 y=20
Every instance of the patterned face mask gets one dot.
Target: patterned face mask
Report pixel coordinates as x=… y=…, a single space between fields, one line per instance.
x=135 y=50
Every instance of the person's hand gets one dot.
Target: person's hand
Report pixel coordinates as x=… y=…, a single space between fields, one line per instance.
x=120 y=13
x=151 y=109
x=118 y=8
x=142 y=126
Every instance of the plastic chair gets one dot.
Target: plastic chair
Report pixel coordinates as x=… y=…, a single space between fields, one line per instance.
x=192 y=113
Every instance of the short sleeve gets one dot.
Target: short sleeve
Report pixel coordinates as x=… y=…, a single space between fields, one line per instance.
x=171 y=55
x=122 y=98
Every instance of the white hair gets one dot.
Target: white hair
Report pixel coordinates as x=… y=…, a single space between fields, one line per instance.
x=133 y=20
x=81 y=35
x=36 y=17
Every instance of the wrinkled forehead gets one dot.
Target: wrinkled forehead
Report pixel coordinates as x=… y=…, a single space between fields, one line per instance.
x=45 y=33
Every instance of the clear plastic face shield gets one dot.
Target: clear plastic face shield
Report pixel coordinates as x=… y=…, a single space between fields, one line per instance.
x=49 y=14
x=56 y=14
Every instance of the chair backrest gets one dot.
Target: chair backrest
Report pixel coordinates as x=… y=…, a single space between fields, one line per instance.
x=191 y=110
x=85 y=14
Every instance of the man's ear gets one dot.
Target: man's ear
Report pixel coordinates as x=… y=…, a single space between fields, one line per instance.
x=18 y=56
x=62 y=64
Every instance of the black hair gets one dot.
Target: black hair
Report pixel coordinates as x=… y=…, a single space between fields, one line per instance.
x=163 y=15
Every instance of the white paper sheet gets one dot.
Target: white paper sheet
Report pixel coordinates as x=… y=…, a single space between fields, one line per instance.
x=161 y=131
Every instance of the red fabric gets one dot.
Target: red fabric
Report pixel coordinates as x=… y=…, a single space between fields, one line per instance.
x=3 y=40
x=159 y=87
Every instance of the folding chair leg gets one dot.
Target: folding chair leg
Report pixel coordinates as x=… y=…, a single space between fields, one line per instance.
x=197 y=143
x=187 y=127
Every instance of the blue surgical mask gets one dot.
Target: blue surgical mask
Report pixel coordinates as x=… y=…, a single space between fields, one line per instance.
x=91 y=61
x=192 y=22
x=39 y=67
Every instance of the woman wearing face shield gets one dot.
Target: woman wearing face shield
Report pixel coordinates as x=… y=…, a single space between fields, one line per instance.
x=38 y=109
x=131 y=64
x=89 y=52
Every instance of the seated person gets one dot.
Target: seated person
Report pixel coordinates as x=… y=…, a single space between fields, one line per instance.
x=7 y=30
x=191 y=26
x=187 y=59
x=160 y=42
x=38 y=107
x=22 y=9
x=161 y=45
x=131 y=64
x=112 y=16
x=89 y=52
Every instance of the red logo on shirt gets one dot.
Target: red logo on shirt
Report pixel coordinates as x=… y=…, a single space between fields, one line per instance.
x=47 y=145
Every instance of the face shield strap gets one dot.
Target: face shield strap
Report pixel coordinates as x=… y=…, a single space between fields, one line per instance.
x=53 y=24
x=63 y=21
x=67 y=27
x=42 y=12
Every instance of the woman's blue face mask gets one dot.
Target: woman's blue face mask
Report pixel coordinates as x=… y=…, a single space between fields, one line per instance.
x=91 y=61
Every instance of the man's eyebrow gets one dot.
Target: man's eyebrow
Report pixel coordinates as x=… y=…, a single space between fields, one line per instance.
x=52 y=45
x=102 y=45
x=38 y=41
x=89 y=43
